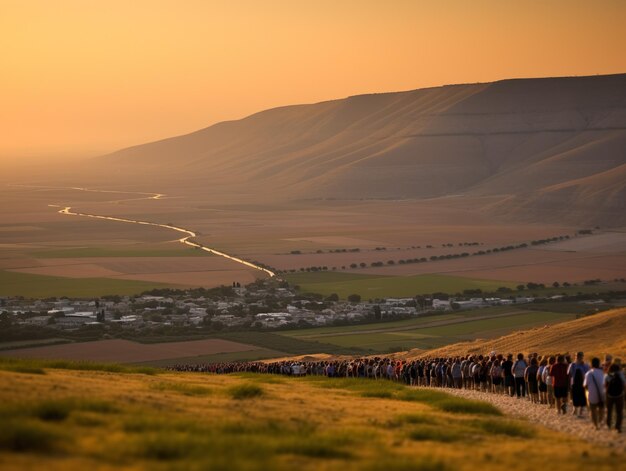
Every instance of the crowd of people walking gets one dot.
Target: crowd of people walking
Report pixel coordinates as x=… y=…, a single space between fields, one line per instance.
x=556 y=381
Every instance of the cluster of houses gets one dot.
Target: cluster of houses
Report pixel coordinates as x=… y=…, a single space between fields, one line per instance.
x=254 y=306
x=475 y=303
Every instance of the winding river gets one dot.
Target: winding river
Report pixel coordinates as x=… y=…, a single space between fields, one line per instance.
x=186 y=239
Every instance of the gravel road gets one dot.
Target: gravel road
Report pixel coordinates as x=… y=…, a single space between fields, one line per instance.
x=540 y=414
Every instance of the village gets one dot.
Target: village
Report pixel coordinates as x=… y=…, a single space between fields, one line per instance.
x=259 y=306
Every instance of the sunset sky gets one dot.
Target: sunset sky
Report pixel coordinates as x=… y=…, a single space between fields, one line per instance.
x=86 y=77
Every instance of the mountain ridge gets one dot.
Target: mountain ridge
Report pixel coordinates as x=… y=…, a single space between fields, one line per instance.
x=543 y=145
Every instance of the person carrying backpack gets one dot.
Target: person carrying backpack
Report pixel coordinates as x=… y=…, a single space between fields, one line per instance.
x=595 y=392
x=615 y=385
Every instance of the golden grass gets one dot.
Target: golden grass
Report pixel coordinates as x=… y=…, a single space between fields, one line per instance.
x=595 y=335
x=100 y=420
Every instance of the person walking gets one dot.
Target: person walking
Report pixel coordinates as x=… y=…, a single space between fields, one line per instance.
x=541 y=380
x=509 y=382
x=531 y=379
x=576 y=372
x=594 y=386
x=615 y=385
x=518 y=370
x=558 y=373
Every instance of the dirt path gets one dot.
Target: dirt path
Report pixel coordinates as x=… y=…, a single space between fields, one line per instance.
x=540 y=414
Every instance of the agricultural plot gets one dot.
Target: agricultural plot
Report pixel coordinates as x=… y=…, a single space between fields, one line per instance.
x=372 y=286
x=124 y=351
x=405 y=324
x=427 y=333
x=41 y=286
x=291 y=345
x=248 y=355
x=155 y=250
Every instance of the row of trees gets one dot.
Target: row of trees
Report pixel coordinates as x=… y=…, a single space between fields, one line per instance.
x=434 y=258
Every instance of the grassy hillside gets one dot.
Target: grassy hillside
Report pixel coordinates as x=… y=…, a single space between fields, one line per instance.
x=597 y=334
x=74 y=420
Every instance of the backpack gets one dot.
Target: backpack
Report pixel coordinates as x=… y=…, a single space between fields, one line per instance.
x=578 y=378
x=615 y=386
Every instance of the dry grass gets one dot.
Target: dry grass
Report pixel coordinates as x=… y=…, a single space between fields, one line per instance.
x=596 y=335
x=69 y=420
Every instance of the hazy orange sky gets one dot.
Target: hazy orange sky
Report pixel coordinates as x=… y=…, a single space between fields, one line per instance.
x=86 y=77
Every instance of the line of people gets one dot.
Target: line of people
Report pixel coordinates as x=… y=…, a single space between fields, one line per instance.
x=556 y=381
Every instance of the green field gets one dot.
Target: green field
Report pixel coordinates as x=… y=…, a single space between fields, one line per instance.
x=375 y=286
x=287 y=344
x=40 y=286
x=431 y=332
x=86 y=252
x=250 y=355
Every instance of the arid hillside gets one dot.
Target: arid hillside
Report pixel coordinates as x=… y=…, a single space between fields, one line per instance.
x=73 y=416
x=598 y=334
x=528 y=149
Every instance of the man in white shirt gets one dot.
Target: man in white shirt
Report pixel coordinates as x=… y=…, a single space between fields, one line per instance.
x=594 y=386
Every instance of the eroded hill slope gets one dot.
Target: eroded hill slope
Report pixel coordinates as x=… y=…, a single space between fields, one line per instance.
x=547 y=147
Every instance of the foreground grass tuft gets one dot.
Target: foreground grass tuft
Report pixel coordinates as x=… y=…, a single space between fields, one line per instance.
x=415 y=464
x=324 y=449
x=436 y=433
x=182 y=388
x=246 y=391
x=505 y=427
x=448 y=403
x=22 y=436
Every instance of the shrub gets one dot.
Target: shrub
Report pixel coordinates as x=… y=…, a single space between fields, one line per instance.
x=434 y=433
x=53 y=411
x=246 y=391
x=467 y=406
x=448 y=403
x=182 y=388
x=24 y=436
x=415 y=463
x=316 y=447
x=504 y=427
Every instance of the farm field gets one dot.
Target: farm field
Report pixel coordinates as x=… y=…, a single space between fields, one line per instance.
x=431 y=332
x=247 y=355
x=414 y=322
x=36 y=239
x=372 y=286
x=376 y=286
x=157 y=250
x=31 y=343
x=41 y=286
x=227 y=346
x=125 y=351
x=73 y=420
